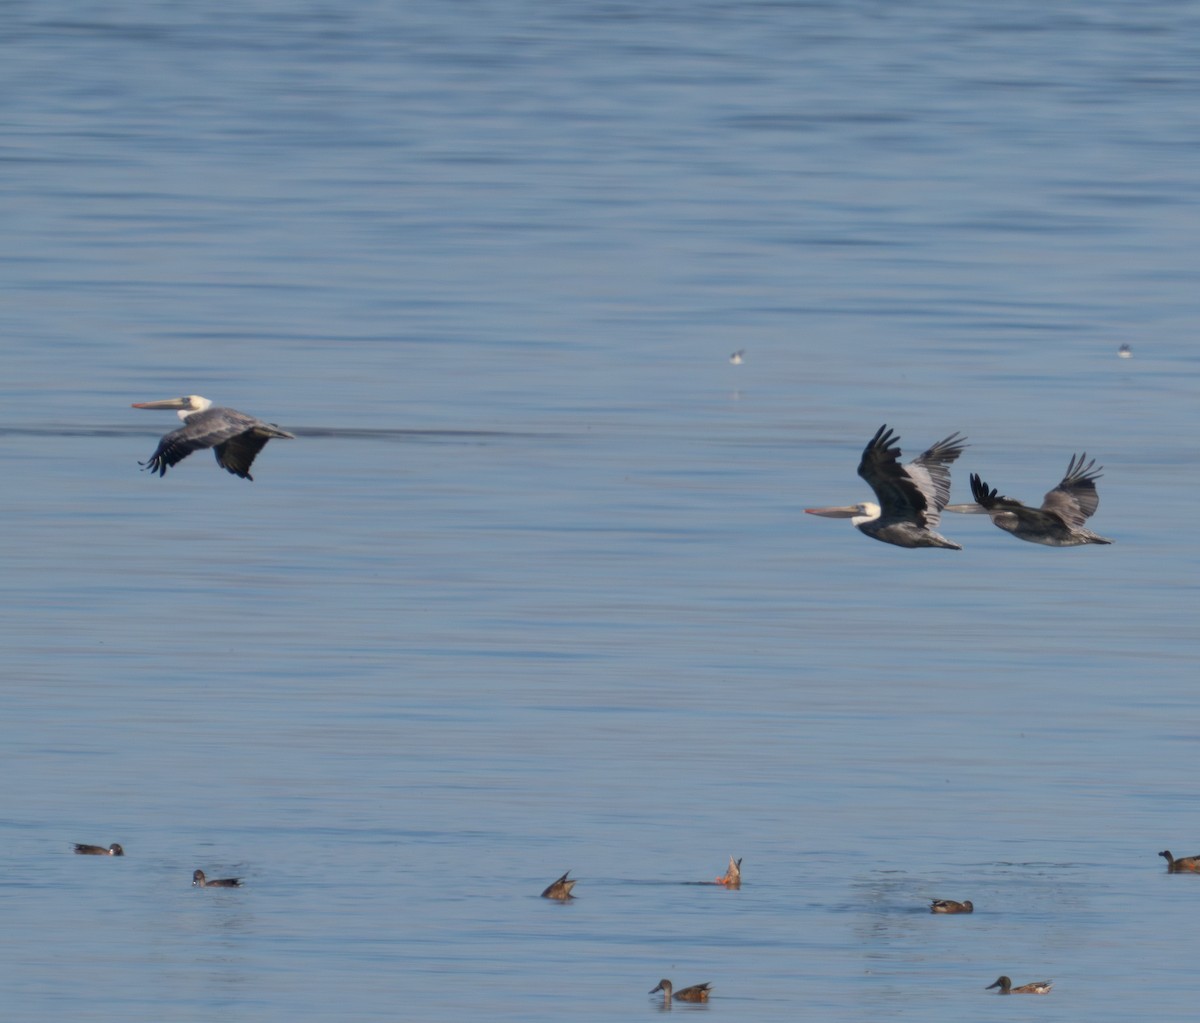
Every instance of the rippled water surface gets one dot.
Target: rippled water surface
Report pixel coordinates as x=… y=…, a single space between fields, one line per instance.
x=533 y=588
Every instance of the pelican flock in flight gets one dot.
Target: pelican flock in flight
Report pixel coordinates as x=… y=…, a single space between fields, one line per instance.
x=911 y=497
x=236 y=438
x=1059 y=521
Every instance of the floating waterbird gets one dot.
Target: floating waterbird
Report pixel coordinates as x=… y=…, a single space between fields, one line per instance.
x=733 y=876
x=696 y=993
x=1038 y=987
x=911 y=497
x=236 y=438
x=1059 y=521
x=560 y=889
x=736 y=357
x=99 y=850
x=950 y=906
x=1183 y=865
x=200 y=881
x=1124 y=352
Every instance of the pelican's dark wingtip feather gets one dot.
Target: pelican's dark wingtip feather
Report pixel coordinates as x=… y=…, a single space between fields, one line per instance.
x=984 y=495
x=1078 y=474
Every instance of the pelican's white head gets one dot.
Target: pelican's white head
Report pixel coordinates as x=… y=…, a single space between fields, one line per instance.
x=186 y=406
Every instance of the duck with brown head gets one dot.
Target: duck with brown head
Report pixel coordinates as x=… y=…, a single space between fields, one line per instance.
x=695 y=993
x=200 y=881
x=1037 y=987
x=1183 y=865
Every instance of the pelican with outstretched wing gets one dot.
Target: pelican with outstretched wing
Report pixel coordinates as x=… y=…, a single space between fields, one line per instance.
x=911 y=497
x=236 y=438
x=1059 y=521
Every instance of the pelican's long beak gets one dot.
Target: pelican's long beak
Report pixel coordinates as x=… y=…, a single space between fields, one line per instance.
x=966 y=509
x=173 y=403
x=844 y=512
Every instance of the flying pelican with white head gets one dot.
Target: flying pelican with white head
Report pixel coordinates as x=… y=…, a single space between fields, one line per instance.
x=1059 y=521
x=236 y=438
x=911 y=497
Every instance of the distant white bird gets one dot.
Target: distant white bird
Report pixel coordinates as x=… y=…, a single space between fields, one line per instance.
x=736 y=357
x=911 y=497
x=1125 y=352
x=236 y=438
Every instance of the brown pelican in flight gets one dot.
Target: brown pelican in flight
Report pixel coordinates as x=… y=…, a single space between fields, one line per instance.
x=1059 y=521
x=911 y=497
x=236 y=438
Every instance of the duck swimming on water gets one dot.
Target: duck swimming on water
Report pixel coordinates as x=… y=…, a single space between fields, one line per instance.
x=950 y=906
x=99 y=850
x=200 y=881
x=1183 y=865
x=695 y=993
x=1037 y=987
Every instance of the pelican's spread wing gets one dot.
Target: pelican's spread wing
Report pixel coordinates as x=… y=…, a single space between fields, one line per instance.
x=1075 y=499
x=200 y=430
x=916 y=492
x=237 y=454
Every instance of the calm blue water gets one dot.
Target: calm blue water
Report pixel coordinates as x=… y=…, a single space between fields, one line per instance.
x=533 y=589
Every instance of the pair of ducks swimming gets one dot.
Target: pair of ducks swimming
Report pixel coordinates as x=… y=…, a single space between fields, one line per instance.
x=700 y=992
x=561 y=889
x=1005 y=984
x=198 y=878
x=1183 y=865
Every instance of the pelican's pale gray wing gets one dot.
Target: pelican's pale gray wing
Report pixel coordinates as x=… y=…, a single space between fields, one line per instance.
x=930 y=470
x=1075 y=499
